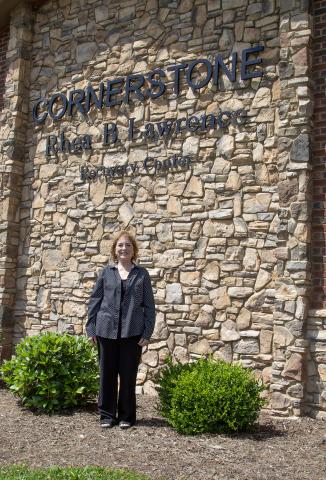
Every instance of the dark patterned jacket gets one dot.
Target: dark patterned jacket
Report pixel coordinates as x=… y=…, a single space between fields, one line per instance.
x=137 y=308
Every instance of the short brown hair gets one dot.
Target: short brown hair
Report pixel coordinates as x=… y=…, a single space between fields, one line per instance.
x=132 y=240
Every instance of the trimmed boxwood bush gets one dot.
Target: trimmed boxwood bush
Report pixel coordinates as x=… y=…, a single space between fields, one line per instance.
x=166 y=381
x=209 y=396
x=52 y=371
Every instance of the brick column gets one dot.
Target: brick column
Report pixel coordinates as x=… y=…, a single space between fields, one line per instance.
x=292 y=253
x=13 y=126
x=319 y=160
x=315 y=395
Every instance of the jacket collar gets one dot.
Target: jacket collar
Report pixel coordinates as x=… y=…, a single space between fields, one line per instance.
x=113 y=266
x=131 y=277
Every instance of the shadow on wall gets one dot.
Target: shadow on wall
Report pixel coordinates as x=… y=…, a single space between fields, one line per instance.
x=4 y=39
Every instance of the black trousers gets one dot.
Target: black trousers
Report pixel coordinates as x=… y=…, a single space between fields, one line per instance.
x=118 y=358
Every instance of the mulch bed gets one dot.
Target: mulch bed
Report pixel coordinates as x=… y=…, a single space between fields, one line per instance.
x=278 y=449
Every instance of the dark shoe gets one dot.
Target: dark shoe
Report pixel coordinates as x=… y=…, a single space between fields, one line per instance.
x=107 y=422
x=124 y=425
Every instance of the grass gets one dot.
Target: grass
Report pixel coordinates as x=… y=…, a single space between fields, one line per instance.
x=67 y=473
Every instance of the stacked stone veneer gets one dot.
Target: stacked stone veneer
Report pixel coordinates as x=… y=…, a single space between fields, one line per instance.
x=226 y=242
x=14 y=120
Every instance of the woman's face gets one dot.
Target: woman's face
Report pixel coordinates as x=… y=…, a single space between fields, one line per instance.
x=124 y=248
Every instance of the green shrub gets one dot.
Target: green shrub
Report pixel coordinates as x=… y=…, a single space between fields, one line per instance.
x=166 y=381
x=209 y=396
x=53 y=371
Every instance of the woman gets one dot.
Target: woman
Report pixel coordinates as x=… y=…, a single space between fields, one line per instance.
x=121 y=318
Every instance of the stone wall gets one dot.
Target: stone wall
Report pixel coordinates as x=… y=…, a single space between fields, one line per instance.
x=293 y=266
x=14 y=119
x=224 y=230
x=316 y=366
x=208 y=234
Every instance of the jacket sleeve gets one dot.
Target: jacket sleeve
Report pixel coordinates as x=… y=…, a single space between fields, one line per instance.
x=149 y=307
x=94 y=305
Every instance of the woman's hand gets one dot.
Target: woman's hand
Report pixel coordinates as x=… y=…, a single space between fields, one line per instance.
x=93 y=340
x=143 y=342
